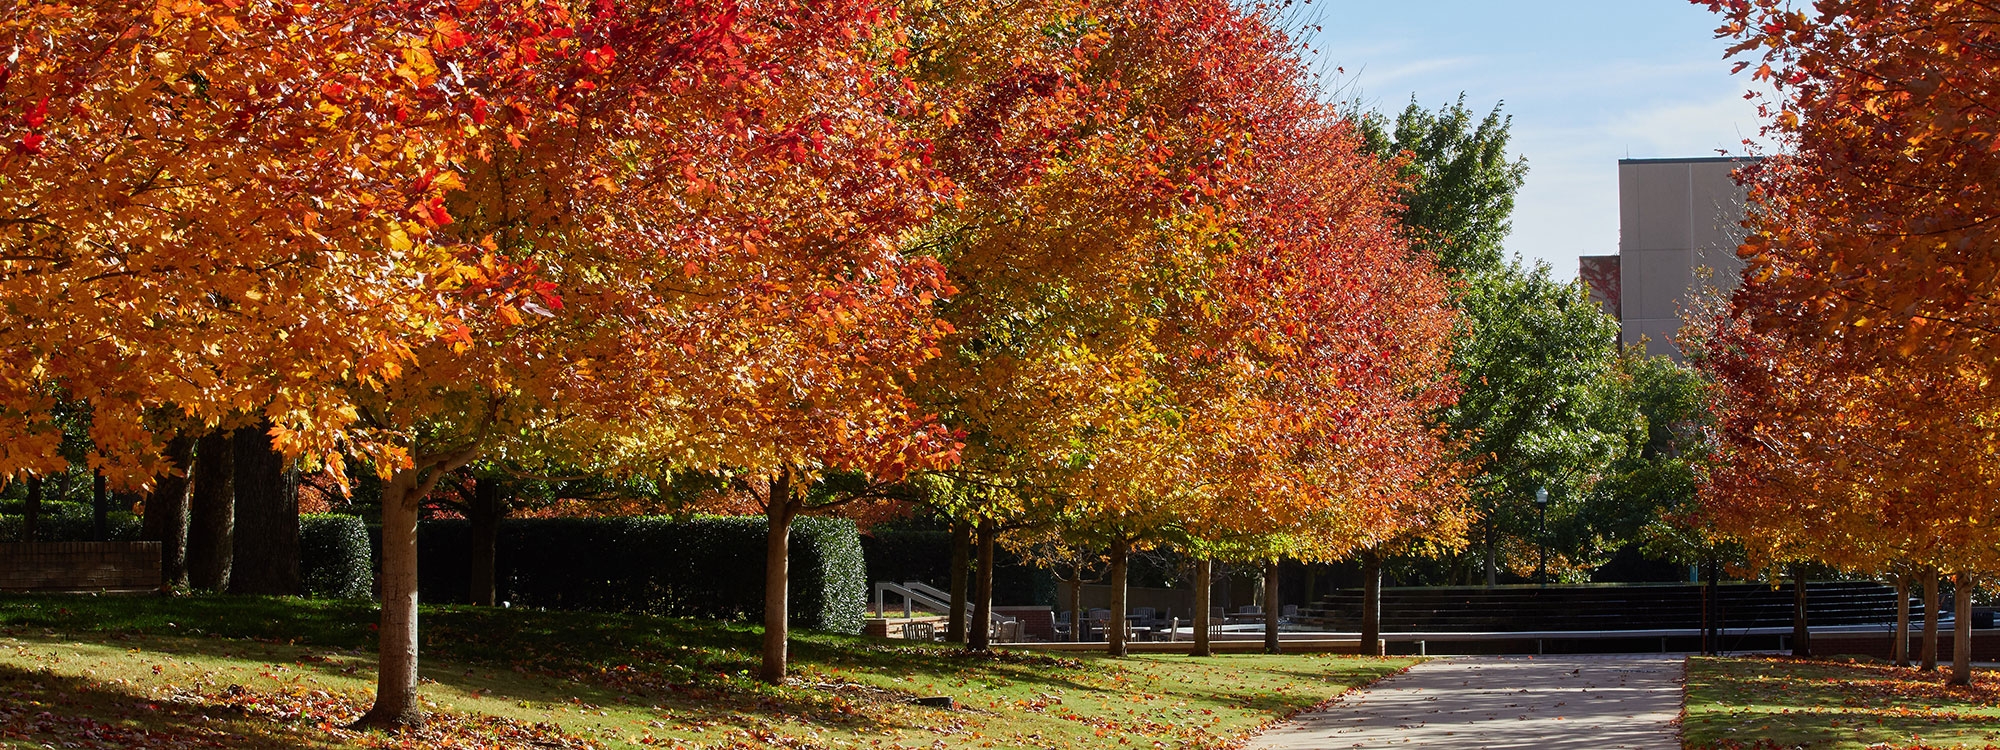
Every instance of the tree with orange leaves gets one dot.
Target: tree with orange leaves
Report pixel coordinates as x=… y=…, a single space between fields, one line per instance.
x=1178 y=311
x=590 y=231
x=1872 y=274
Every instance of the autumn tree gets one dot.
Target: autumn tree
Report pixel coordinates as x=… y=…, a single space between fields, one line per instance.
x=580 y=230
x=1870 y=240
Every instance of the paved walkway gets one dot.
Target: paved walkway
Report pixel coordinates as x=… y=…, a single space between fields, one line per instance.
x=1542 y=702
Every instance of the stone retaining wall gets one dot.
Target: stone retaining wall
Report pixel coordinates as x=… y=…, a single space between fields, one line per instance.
x=80 y=566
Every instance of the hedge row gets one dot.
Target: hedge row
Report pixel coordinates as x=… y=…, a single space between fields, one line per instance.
x=702 y=567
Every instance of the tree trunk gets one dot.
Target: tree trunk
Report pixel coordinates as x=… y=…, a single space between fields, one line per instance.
x=1077 y=622
x=1801 y=615
x=396 y=638
x=166 y=518
x=488 y=506
x=265 y=561
x=1492 y=558
x=396 y=673
x=1931 y=614
x=980 y=629
x=1204 y=585
x=783 y=506
x=211 y=514
x=1899 y=650
x=1271 y=606
x=1712 y=609
x=961 y=556
x=1114 y=626
x=1371 y=604
x=100 y=506
x=31 y=512
x=1961 y=630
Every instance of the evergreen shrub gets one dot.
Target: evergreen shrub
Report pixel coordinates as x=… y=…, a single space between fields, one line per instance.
x=334 y=557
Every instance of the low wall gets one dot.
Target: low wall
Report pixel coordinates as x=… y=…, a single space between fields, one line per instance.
x=80 y=566
x=892 y=627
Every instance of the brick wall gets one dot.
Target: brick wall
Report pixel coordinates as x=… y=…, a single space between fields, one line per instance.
x=79 y=566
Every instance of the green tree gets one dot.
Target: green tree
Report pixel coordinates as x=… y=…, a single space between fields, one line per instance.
x=1461 y=195
x=1543 y=402
x=1656 y=479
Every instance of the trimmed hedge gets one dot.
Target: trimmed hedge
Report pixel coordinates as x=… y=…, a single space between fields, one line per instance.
x=899 y=555
x=334 y=558
x=703 y=567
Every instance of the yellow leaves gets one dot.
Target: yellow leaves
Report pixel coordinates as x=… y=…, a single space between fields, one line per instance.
x=418 y=68
x=398 y=240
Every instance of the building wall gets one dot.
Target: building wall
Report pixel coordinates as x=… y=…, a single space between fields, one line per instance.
x=1680 y=221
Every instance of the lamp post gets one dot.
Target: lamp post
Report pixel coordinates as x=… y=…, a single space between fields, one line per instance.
x=1542 y=535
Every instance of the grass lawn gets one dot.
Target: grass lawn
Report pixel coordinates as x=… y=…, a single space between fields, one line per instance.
x=279 y=673
x=1787 y=703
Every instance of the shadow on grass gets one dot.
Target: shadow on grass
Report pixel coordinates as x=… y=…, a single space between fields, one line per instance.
x=60 y=710
x=696 y=671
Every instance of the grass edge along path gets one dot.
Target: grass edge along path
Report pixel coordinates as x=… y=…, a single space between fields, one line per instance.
x=1837 y=703
x=157 y=672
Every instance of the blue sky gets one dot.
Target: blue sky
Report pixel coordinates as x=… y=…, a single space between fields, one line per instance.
x=1587 y=82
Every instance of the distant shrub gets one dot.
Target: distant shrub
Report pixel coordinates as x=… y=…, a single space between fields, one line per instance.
x=334 y=557
x=702 y=567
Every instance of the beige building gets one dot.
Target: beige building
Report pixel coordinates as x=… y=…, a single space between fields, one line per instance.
x=1679 y=221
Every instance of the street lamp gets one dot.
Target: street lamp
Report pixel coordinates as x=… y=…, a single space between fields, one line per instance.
x=1542 y=535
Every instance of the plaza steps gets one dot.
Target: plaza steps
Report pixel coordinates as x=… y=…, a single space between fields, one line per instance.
x=1604 y=607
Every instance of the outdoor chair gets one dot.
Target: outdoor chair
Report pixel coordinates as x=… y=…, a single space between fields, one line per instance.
x=1095 y=623
x=1142 y=616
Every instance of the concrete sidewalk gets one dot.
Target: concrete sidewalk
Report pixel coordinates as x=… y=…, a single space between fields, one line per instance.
x=1541 y=702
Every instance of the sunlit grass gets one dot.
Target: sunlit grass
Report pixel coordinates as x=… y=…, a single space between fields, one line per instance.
x=286 y=673
x=1786 y=703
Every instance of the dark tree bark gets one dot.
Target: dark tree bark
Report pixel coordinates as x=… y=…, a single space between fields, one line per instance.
x=1801 y=615
x=1899 y=650
x=1078 y=623
x=1271 y=606
x=31 y=512
x=980 y=628
x=166 y=519
x=1931 y=615
x=211 y=514
x=1114 y=626
x=1204 y=584
x=1711 y=634
x=1492 y=558
x=265 y=560
x=488 y=506
x=100 y=506
x=1961 y=630
x=961 y=557
x=1371 y=604
x=783 y=507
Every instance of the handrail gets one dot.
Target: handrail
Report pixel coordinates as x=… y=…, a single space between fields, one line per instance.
x=926 y=594
x=911 y=592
